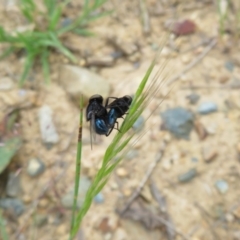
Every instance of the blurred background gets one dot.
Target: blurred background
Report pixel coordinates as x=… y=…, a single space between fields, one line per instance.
x=187 y=163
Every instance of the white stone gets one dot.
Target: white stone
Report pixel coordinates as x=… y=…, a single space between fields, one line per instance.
x=47 y=127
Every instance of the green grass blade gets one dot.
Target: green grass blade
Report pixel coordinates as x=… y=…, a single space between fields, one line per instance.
x=84 y=32
x=60 y=47
x=5 y=37
x=85 y=17
x=26 y=40
x=54 y=18
x=28 y=8
x=78 y=168
x=50 y=5
x=96 y=16
x=27 y=67
x=117 y=149
x=113 y=148
x=45 y=65
x=99 y=187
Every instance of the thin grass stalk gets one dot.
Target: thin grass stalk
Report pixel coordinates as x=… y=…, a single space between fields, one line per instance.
x=118 y=149
x=113 y=153
x=78 y=169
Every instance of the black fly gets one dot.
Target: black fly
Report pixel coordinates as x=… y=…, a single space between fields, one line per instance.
x=102 y=121
x=96 y=113
x=118 y=108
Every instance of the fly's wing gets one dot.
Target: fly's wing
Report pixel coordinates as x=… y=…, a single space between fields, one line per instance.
x=92 y=129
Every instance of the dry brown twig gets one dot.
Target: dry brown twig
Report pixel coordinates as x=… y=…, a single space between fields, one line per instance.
x=144 y=180
x=194 y=62
x=226 y=87
x=171 y=229
x=163 y=207
x=35 y=203
x=206 y=216
x=136 y=193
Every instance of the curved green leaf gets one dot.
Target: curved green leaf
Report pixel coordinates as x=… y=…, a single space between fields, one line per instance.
x=7 y=151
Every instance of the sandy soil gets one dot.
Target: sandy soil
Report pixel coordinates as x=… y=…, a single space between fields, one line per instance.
x=198 y=211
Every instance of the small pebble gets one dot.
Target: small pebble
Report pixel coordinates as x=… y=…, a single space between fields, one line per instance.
x=222 y=186
x=188 y=176
x=211 y=129
x=127 y=192
x=100 y=61
x=104 y=225
x=184 y=78
x=138 y=125
x=99 y=198
x=131 y=154
x=6 y=83
x=13 y=185
x=236 y=235
x=136 y=65
x=128 y=48
x=55 y=219
x=134 y=57
x=113 y=185
x=26 y=198
x=62 y=229
x=193 y=98
x=66 y=22
x=194 y=159
x=108 y=236
x=120 y=234
x=82 y=80
x=223 y=79
x=43 y=203
x=82 y=62
x=230 y=104
x=209 y=154
x=117 y=54
x=178 y=121
x=236 y=212
x=40 y=220
x=14 y=205
x=167 y=137
x=35 y=167
x=218 y=211
x=146 y=194
x=207 y=107
x=122 y=172
x=166 y=165
x=154 y=46
x=200 y=130
x=184 y=27
x=47 y=127
x=229 y=217
x=186 y=59
x=229 y=66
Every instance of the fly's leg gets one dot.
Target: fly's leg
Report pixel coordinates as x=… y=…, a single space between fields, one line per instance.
x=117 y=127
x=112 y=129
x=109 y=132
